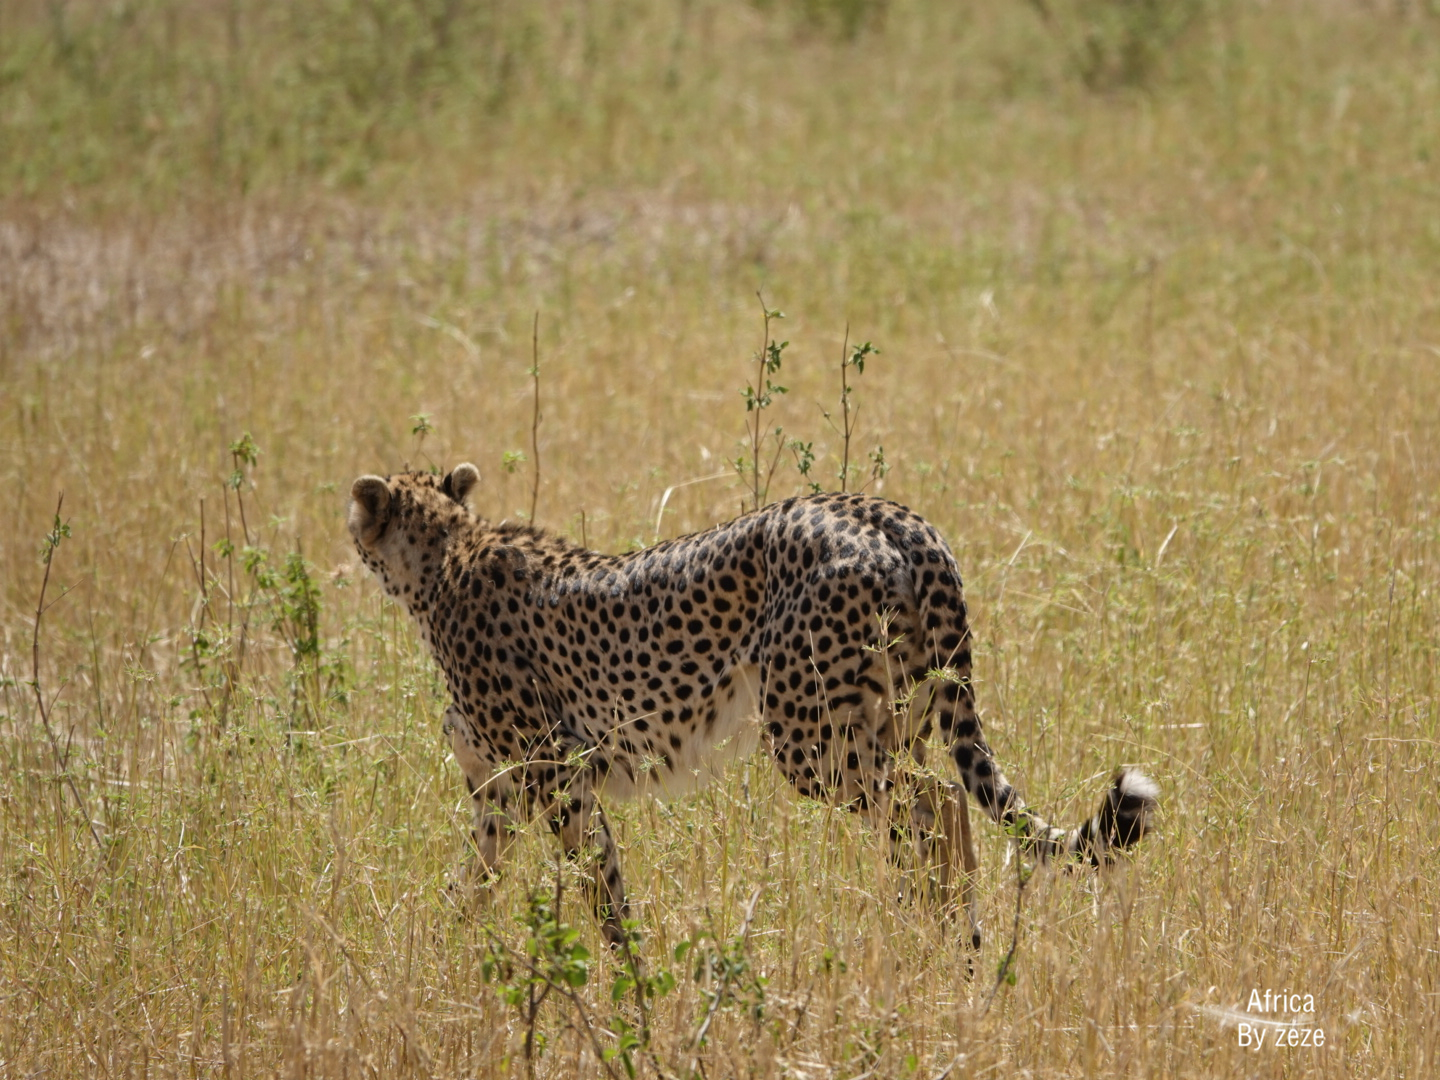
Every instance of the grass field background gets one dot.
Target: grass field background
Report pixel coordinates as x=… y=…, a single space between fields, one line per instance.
x=1155 y=287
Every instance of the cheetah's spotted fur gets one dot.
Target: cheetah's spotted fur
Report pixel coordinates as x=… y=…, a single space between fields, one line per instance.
x=575 y=674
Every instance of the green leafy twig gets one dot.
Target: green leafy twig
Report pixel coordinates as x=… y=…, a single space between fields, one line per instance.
x=1005 y=971
x=730 y=967
x=804 y=461
x=759 y=396
x=554 y=962
x=851 y=358
x=59 y=532
x=647 y=988
x=420 y=426
x=243 y=453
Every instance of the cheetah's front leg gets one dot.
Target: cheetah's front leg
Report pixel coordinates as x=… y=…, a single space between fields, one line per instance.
x=494 y=830
x=492 y=835
x=495 y=799
x=581 y=825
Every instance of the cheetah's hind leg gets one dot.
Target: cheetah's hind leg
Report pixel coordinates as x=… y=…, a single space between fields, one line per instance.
x=942 y=823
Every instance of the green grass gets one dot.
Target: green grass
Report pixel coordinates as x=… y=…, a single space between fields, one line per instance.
x=1159 y=355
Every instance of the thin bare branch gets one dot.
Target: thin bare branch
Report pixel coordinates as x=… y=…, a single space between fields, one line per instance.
x=845 y=405
x=535 y=415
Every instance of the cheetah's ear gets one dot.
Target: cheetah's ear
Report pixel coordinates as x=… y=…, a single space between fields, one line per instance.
x=369 y=508
x=461 y=480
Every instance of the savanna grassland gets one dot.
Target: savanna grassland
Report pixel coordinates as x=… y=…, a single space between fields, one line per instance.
x=1157 y=292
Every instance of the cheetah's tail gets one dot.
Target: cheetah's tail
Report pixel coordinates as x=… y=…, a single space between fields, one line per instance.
x=1123 y=818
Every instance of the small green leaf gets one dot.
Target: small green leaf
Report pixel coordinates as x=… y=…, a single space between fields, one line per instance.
x=244 y=450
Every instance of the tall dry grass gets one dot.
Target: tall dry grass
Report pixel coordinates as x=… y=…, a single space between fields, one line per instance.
x=1160 y=362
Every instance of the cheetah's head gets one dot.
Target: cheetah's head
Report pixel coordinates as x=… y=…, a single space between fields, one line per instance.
x=403 y=524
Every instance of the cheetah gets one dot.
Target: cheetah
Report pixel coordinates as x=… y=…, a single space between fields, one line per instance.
x=831 y=626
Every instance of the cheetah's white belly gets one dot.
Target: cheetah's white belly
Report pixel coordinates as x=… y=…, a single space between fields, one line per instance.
x=703 y=754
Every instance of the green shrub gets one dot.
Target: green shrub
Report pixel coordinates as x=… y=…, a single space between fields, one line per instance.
x=1119 y=43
